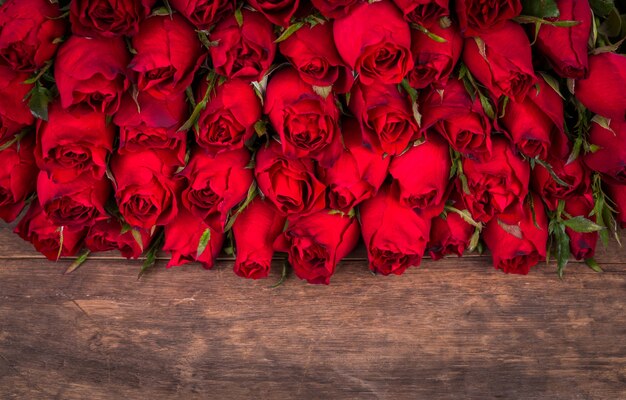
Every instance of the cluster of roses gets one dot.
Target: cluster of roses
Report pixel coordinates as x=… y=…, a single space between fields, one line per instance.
x=417 y=125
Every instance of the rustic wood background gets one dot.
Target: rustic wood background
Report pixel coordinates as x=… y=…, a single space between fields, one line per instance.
x=452 y=329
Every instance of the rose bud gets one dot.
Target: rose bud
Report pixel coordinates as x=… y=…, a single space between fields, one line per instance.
x=458 y=118
x=245 y=52
x=290 y=184
x=333 y=9
x=610 y=157
x=433 y=61
x=93 y=72
x=394 y=234
x=168 y=55
x=109 y=234
x=449 y=234
x=386 y=117
x=503 y=62
x=566 y=47
x=14 y=112
x=189 y=239
x=255 y=231
x=582 y=244
x=476 y=17
x=604 y=90
x=227 y=122
x=497 y=184
x=312 y=52
x=522 y=245
x=375 y=41
x=306 y=122
x=617 y=194
x=357 y=174
x=108 y=18
x=18 y=175
x=203 y=14
x=423 y=12
x=213 y=185
x=73 y=142
x=316 y=243
x=50 y=240
x=574 y=174
x=278 y=12
x=29 y=30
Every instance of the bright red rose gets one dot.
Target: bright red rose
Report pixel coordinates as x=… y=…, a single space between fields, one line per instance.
x=450 y=234
x=255 y=231
x=290 y=184
x=203 y=13
x=610 y=158
x=278 y=12
x=168 y=55
x=575 y=174
x=505 y=67
x=476 y=17
x=335 y=8
x=423 y=12
x=109 y=234
x=18 y=175
x=28 y=33
x=73 y=142
x=317 y=242
x=604 y=89
x=582 y=244
x=14 y=112
x=93 y=72
x=394 y=234
x=108 y=18
x=246 y=51
x=227 y=122
x=375 y=41
x=617 y=194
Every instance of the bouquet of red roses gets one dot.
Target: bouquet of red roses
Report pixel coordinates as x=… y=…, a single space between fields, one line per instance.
x=419 y=126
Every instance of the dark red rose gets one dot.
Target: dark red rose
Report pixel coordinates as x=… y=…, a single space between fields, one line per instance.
x=278 y=12
x=50 y=240
x=575 y=174
x=523 y=244
x=449 y=234
x=458 y=118
x=335 y=8
x=184 y=240
x=29 y=30
x=610 y=157
x=423 y=12
x=604 y=89
x=313 y=53
x=497 y=184
x=255 y=231
x=109 y=234
x=505 y=66
x=357 y=174
x=582 y=244
x=617 y=194
x=477 y=16
x=203 y=13
x=93 y=72
x=168 y=55
x=14 y=112
x=73 y=142
x=317 y=242
x=375 y=41
x=306 y=122
x=246 y=51
x=386 y=117
x=18 y=175
x=227 y=122
x=566 y=47
x=394 y=234
x=213 y=185
x=290 y=184
x=108 y=18
x=421 y=175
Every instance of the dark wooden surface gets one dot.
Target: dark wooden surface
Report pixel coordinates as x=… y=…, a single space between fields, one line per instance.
x=452 y=329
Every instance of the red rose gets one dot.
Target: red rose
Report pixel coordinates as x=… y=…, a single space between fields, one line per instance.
x=335 y=8
x=575 y=174
x=255 y=231
x=28 y=33
x=306 y=123
x=278 y=12
x=291 y=184
x=497 y=185
x=14 y=111
x=313 y=53
x=423 y=12
x=108 y=234
x=18 y=174
x=394 y=234
x=213 y=185
x=168 y=55
x=246 y=51
x=604 y=89
x=357 y=174
x=93 y=72
x=582 y=244
x=449 y=234
x=375 y=41
x=475 y=17
x=108 y=18
x=73 y=142
x=610 y=157
x=617 y=193
x=505 y=67
x=203 y=13
x=566 y=47
x=386 y=117
x=317 y=242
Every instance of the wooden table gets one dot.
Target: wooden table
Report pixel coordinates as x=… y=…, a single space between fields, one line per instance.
x=452 y=329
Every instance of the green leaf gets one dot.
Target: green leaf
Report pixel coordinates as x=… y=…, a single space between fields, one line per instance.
x=151 y=255
x=428 y=33
x=40 y=97
x=482 y=49
x=260 y=127
x=204 y=39
x=78 y=262
x=291 y=29
x=514 y=230
x=474 y=240
x=575 y=150
x=552 y=82
x=138 y=238
x=61 y=238
x=601 y=8
x=203 y=242
x=603 y=122
x=283 y=275
x=582 y=225
x=593 y=264
x=540 y=8
x=323 y=91
x=465 y=215
x=239 y=17
x=553 y=174
x=562 y=248
x=484 y=101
